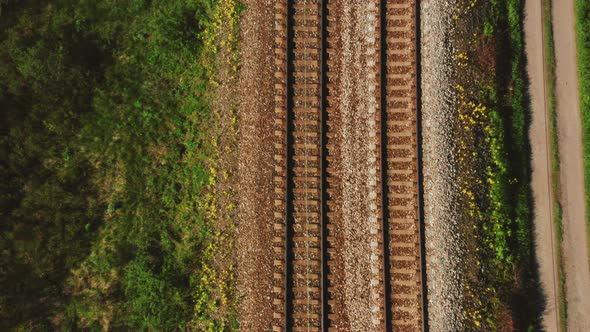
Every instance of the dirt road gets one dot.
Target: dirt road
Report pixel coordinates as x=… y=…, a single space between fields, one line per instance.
x=575 y=246
x=541 y=163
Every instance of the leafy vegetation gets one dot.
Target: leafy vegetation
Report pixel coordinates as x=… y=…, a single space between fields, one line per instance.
x=105 y=156
x=583 y=47
x=494 y=166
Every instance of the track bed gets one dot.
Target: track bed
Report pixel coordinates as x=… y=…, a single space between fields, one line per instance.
x=308 y=269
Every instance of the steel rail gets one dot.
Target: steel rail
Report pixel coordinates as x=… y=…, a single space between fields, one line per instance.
x=288 y=295
x=323 y=169
x=423 y=280
x=387 y=303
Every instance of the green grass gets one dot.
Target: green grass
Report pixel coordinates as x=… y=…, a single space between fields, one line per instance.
x=583 y=47
x=519 y=121
x=518 y=126
x=554 y=152
x=109 y=208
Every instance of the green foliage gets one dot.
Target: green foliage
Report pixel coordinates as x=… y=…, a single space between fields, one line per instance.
x=583 y=47
x=488 y=29
x=518 y=131
x=103 y=162
x=525 y=284
x=494 y=169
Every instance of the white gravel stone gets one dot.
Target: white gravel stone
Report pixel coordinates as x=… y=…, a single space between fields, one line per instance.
x=445 y=247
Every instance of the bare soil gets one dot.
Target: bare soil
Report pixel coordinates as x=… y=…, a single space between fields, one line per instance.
x=575 y=246
x=541 y=182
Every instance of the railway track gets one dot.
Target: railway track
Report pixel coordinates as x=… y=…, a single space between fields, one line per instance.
x=401 y=150
x=301 y=279
x=303 y=291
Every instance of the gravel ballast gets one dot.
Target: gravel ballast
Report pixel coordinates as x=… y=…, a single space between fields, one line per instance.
x=441 y=191
x=255 y=191
x=356 y=173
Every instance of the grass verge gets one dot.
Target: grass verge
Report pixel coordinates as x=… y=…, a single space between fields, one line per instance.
x=555 y=164
x=494 y=167
x=583 y=47
x=215 y=297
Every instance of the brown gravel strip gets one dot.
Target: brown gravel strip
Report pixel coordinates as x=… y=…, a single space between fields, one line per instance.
x=355 y=227
x=255 y=167
x=339 y=319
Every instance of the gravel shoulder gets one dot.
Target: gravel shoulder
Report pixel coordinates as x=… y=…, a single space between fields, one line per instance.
x=441 y=193
x=541 y=185
x=575 y=246
x=255 y=190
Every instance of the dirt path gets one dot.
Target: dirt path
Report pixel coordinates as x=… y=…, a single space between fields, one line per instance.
x=541 y=163
x=575 y=244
